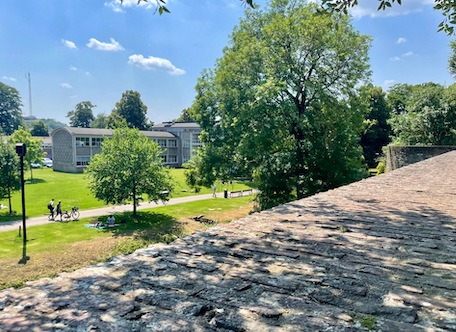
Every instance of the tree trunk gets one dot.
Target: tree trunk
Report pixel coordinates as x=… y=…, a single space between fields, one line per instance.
x=134 y=201
x=9 y=200
x=31 y=174
x=299 y=136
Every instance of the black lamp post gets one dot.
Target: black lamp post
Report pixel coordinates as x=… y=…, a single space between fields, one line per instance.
x=21 y=150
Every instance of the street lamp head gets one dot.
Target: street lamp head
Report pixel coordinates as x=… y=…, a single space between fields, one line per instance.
x=21 y=149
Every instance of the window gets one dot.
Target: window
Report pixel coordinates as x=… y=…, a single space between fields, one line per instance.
x=82 y=141
x=186 y=143
x=172 y=143
x=195 y=139
x=162 y=143
x=186 y=159
x=82 y=161
x=172 y=159
x=163 y=158
x=96 y=141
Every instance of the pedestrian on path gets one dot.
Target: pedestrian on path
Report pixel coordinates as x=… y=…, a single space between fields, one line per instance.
x=213 y=190
x=51 y=208
x=58 y=210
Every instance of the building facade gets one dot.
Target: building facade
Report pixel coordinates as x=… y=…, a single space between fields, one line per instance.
x=73 y=148
x=188 y=134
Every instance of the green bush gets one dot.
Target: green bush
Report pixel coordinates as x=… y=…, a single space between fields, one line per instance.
x=381 y=168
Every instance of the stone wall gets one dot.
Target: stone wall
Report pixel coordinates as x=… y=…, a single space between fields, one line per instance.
x=400 y=155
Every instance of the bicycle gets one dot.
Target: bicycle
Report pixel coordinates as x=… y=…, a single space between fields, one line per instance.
x=74 y=214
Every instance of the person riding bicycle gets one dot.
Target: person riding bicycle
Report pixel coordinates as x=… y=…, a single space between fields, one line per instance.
x=58 y=210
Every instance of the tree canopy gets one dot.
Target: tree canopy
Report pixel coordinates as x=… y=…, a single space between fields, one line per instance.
x=82 y=115
x=100 y=121
x=39 y=128
x=34 y=149
x=10 y=109
x=128 y=166
x=276 y=101
x=185 y=116
x=376 y=130
x=448 y=8
x=9 y=171
x=132 y=109
x=428 y=114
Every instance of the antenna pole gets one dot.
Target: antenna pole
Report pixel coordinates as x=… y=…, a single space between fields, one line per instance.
x=30 y=92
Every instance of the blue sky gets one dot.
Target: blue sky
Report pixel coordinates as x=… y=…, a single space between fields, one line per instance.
x=94 y=50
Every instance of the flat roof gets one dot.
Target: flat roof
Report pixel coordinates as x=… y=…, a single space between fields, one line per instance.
x=108 y=132
x=192 y=125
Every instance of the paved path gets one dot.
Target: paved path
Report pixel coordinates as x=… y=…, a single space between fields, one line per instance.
x=379 y=253
x=13 y=225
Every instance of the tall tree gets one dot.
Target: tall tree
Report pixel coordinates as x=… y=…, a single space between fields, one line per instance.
x=186 y=116
x=376 y=132
x=9 y=168
x=100 y=121
x=132 y=109
x=10 y=109
x=129 y=165
x=34 y=149
x=39 y=128
x=270 y=100
x=82 y=115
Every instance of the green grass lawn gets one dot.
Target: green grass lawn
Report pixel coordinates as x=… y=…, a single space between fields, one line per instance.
x=72 y=190
x=48 y=244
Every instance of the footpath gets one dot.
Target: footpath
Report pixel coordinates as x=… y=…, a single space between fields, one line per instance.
x=14 y=225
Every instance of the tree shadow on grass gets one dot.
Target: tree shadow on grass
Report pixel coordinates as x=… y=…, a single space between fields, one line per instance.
x=34 y=181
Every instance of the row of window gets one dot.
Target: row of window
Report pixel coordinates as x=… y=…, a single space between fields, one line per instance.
x=169 y=159
x=85 y=141
x=96 y=141
x=172 y=143
x=84 y=161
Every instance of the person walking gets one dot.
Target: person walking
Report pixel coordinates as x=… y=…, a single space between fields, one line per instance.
x=58 y=210
x=213 y=190
x=51 y=208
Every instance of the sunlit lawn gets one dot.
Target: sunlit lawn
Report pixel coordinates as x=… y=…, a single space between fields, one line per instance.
x=57 y=247
x=72 y=190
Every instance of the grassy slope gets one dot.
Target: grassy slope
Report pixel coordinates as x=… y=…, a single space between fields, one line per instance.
x=79 y=246
x=72 y=189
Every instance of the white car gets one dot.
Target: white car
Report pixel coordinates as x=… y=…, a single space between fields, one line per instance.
x=48 y=162
x=36 y=165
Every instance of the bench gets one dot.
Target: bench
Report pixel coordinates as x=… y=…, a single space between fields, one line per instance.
x=240 y=193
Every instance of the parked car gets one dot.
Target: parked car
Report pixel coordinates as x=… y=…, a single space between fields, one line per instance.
x=36 y=165
x=48 y=162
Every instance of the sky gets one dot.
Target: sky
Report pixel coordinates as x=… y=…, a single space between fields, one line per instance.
x=78 y=50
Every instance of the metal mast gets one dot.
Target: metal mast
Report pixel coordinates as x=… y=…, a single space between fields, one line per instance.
x=30 y=92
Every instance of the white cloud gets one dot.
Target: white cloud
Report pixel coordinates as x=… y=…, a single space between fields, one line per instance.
x=119 y=7
x=407 y=54
x=388 y=83
x=68 y=43
x=9 y=78
x=72 y=97
x=66 y=85
x=395 y=58
x=401 y=40
x=87 y=73
x=153 y=63
x=73 y=68
x=369 y=8
x=98 y=45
